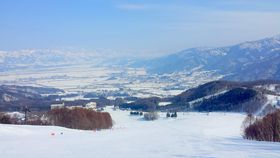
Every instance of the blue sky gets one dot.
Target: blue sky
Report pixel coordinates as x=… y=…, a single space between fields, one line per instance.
x=145 y=28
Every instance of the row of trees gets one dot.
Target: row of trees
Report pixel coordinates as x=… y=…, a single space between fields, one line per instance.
x=136 y=113
x=171 y=114
x=150 y=116
x=80 y=118
x=265 y=129
x=77 y=118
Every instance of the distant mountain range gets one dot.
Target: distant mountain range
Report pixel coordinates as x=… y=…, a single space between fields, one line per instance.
x=41 y=58
x=242 y=62
x=246 y=61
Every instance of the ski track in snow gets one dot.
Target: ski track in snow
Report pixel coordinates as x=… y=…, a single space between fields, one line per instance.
x=207 y=97
x=190 y=135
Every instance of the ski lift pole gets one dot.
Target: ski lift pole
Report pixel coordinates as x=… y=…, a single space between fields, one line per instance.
x=26 y=109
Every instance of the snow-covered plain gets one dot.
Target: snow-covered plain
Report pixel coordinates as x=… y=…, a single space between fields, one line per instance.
x=109 y=81
x=189 y=135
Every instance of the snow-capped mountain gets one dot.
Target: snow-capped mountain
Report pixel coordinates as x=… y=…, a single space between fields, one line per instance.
x=36 y=58
x=246 y=61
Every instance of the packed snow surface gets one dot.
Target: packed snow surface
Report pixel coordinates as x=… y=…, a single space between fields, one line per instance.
x=189 y=135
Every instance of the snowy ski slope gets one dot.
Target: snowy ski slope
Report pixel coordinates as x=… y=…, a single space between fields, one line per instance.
x=190 y=135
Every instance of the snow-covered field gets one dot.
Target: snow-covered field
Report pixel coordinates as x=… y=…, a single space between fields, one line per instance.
x=109 y=80
x=190 y=135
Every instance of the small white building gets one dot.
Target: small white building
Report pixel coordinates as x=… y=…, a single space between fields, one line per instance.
x=74 y=107
x=57 y=106
x=164 y=103
x=91 y=105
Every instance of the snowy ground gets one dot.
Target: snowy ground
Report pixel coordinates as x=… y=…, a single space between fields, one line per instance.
x=190 y=135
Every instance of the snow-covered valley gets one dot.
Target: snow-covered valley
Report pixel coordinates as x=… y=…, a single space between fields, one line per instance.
x=189 y=135
x=108 y=81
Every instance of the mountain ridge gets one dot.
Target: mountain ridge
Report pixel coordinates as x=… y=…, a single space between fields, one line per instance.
x=257 y=97
x=245 y=61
